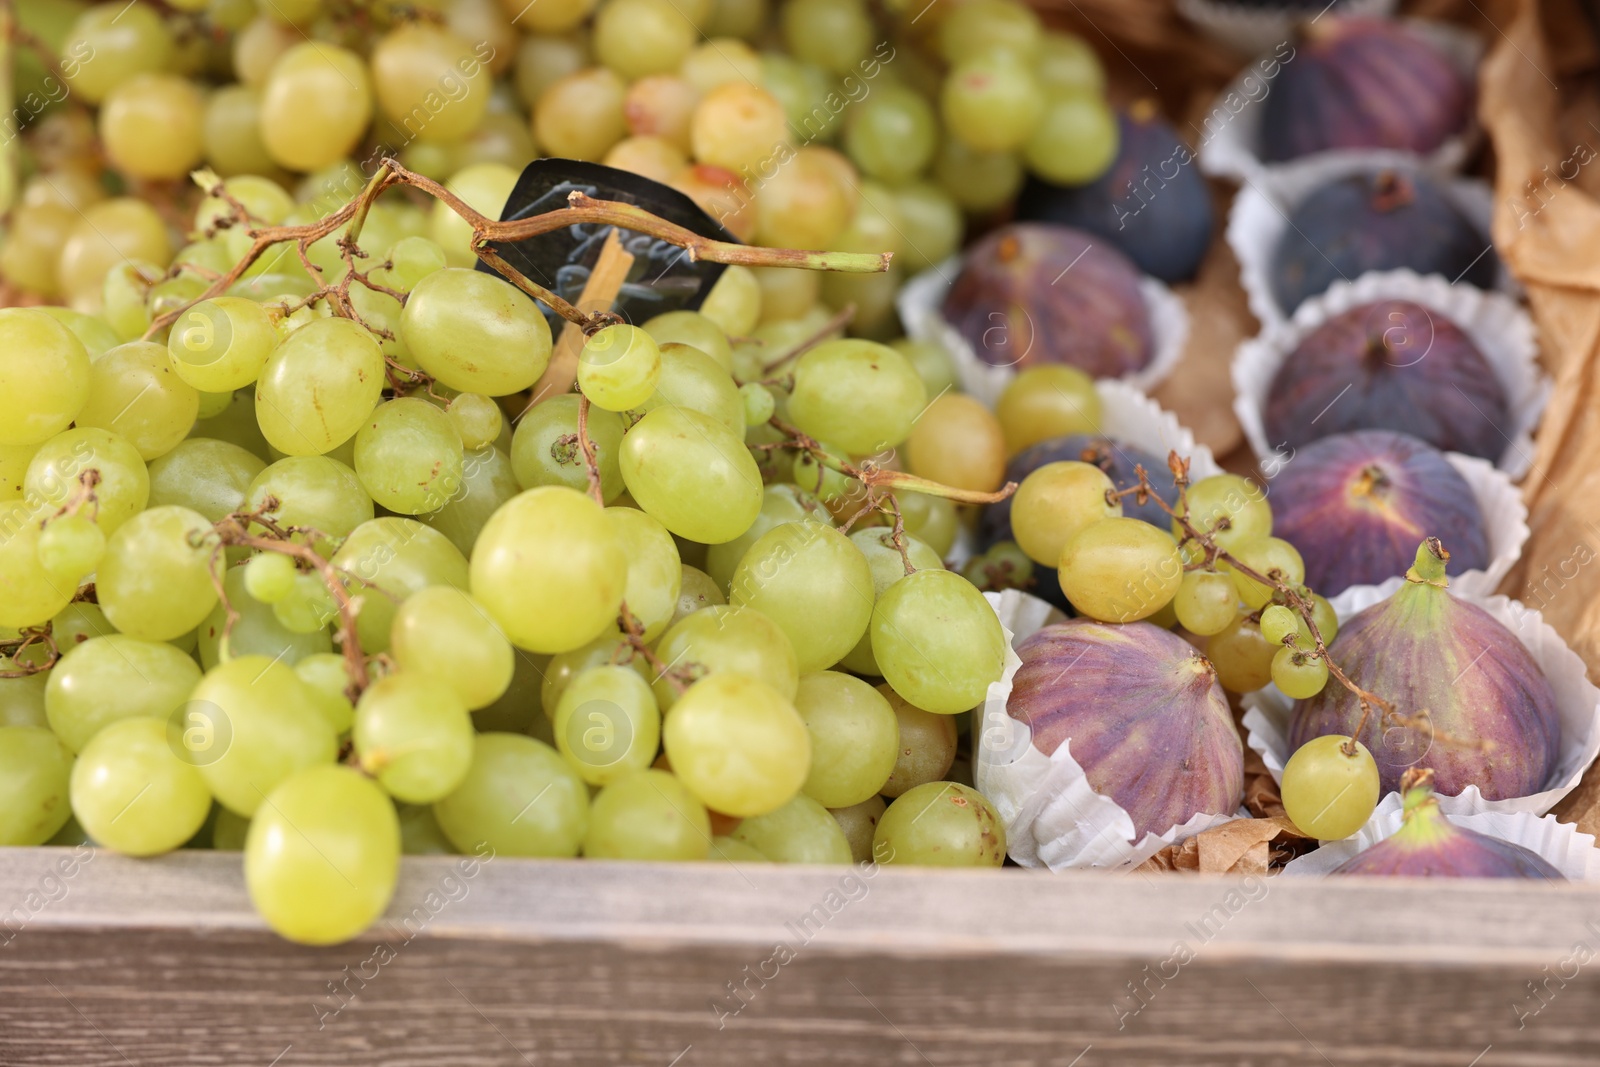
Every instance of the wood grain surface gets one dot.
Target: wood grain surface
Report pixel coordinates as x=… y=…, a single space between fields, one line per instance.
x=546 y=962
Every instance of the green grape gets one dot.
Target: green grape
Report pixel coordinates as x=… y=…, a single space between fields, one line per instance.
x=734 y=303
x=693 y=380
x=315 y=105
x=408 y=456
x=107 y=234
x=29 y=595
x=838 y=492
x=941 y=824
x=887 y=567
x=655 y=573
x=308 y=609
x=256 y=628
x=716 y=62
x=691 y=474
x=319 y=386
x=1323 y=615
x=34 y=245
x=859 y=822
x=221 y=344
x=544 y=449
x=1047 y=401
x=695 y=330
x=487 y=481
x=873 y=295
x=519 y=797
x=728 y=850
x=636 y=38
x=413 y=735
x=834 y=34
x=1329 y=793
x=860 y=395
x=231 y=132
x=70 y=547
x=1054 y=502
x=249 y=725
x=420 y=834
x=75 y=624
x=550 y=569
x=779 y=504
x=698 y=590
x=115 y=42
x=619 y=367
x=327 y=680
x=313 y=492
x=322 y=858
x=934 y=226
x=445 y=635
x=1278 y=622
x=14 y=460
x=151 y=127
x=396 y=558
x=876 y=226
x=156 y=581
x=269 y=577
x=413 y=259
x=484 y=188
x=984 y=27
x=1004 y=566
x=1067 y=64
x=892 y=134
x=1300 y=675
x=738 y=745
x=475 y=332
x=855 y=738
x=35 y=774
x=814 y=583
x=126 y=298
x=96 y=334
x=1241 y=655
x=1075 y=142
x=740 y=127
x=1120 y=570
x=607 y=649
x=801 y=831
x=931 y=519
x=758 y=403
x=22 y=698
x=1230 y=508
x=979 y=181
x=131 y=792
x=647 y=815
x=607 y=724
x=991 y=104
x=1205 y=602
x=204 y=475
x=938 y=642
x=1269 y=556
x=419 y=74
x=729 y=639
x=44 y=377
x=503 y=138
x=581 y=115
x=476 y=418
x=236 y=424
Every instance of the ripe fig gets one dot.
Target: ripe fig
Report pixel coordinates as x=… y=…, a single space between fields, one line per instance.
x=1356 y=504
x=1146 y=719
x=1034 y=293
x=1363 y=83
x=1385 y=220
x=1151 y=204
x=1389 y=365
x=1491 y=714
x=1428 y=845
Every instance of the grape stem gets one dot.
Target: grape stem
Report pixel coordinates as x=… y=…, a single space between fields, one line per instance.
x=633 y=633
x=591 y=459
x=840 y=320
x=15 y=646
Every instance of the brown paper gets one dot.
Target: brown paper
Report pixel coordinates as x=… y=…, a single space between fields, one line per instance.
x=1239 y=847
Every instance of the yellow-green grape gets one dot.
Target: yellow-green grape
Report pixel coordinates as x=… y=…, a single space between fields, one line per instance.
x=314 y=492
x=553 y=16
x=319 y=386
x=695 y=330
x=125 y=299
x=394 y=558
x=551 y=570
x=933 y=224
x=698 y=590
x=477 y=419
x=131 y=792
x=151 y=126
x=728 y=850
x=1054 y=502
x=1066 y=64
x=308 y=609
x=720 y=61
x=1206 y=602
x=520 y=798
x=484 y=188
x=70 y=547
x=294 y=12
x=738 y=745
x=327 y=679
x=249 y=725
x=413 y=734
x=787 y=293
x=1278 y=622
x=659 y=106
x=927 y=745
x=876 y=226
x=545 y=450
x=54 y=475
x=156 y=580
x=1329 y=793
x=1076 y=140
x=888 y=566
x=859 y=822
x=988 y=26
x=96 y=334
x=256 y=626
x=475 y=332
x=741 y=127
x=221 y=344
x=1300 y=674
x=835 y=35
x=734 y=303
x=655 y=572
x=420 y=74
x=487 y=482
x=413 y=259
x=113 y=43
x=636 y=38
x=647 y=815
x=35 y=775
x=14 y=460
x=958 y=442
x=1271 y=557
x=619 y=367
x=1323 y=615
x=323 y=855
x=872 y=294
x=1052 y=400
x=208 y=476
x=1241 y=655
x=801 y=831
x=581 y=115
x=257 y=46
x=44 y=377
x=269 y=576
x=22 y=698
x=728 y=640
x=693 y=380
x=758 y=403
x=779 y=504
x=107 y=234
x=979 y=181
x=609 y=649
x=649 y=157
x=29 y=595
x=1120 y=570
x=230 y=132
x=33 y=246
x=931 y=519
x=444 y=634
x=692 y=474
x=860 y=395
x=991 y=104
x=1230 y=508
x=75 y=624
x=607 y=724
x=892 y=134
x=409 y=457
x=814 y=583
x=108 y=679
x=315 y=106
x=937 y=641
x=855 y=738
x=941 y=824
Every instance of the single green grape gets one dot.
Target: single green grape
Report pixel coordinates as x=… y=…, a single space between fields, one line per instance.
x=1329 y=793
x=758 y=403
x=45 y=377
x=887 y=566
x=1241 y=655
x=55 y=474
x=106 y=679
x=734 y=303
x=647 y=815
x=801 y=831
x=833 y=34
x=1120 y=570
x=1323 y=615
x=780 y=503
x=859 y=822
x=204 y=475
x=937 y=641
x=413 y=734
x=738 y=745
x=519 y=798
x=319 y=386
x=691 y=379
x=326 y=676
x=855 y=738
x=545 y=450
x=157 y=579
x=697 y=590
x=991 y=103
x=987 y=26
x=728 y=640
x=29 y=595
x=1067 y=64
x=607 y=649
x=257 y=629
x=1272 y=557
x=692 y=474
x=477 y=419
x=35 y=774
x=980 y=182
x=133 y=392
x=22 y=698
x=655 y=572
x=308 y=609
x=1054 y=502
x=1205 y=602
x=619 y=367
x=1278 y=622
x=131 y=792
x=636 y=38
x=76 y=623
x=487 y=481
x=1050 y=400
x=1299 y=674
x=221 y=344
x=395 y=557
x=410 y=64
x=814 y=583
x=269 y=576
x=892 y=134
x=694 y=329
x=941 y=824
x=475 y=332
x=935 y=227
x=70 y=547
x=1076 y=140
x=607 y=724
x=1231 y=508
x=860 y=395
x=315 y=105
x=409 y=457
x=444 y=634
x=313 y=492
x=114 y=43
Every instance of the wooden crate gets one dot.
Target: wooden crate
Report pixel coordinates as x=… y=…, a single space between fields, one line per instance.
x=163 y=962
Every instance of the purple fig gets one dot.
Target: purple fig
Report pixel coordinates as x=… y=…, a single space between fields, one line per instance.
x=1033 y=293
x=1383 y=220
x=1356 y=504
x=1146 y=719
x=1490 y=714
x=1428 y=845
x=1390 y=365
x=1363 y=83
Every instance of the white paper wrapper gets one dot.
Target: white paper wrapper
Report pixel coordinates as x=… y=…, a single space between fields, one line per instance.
x=922 y=297
x=1577 y=702
x=1231 y=147
x=1261 y=210
x=1497 y=325
x=1253 y=30
x=1052 y=818
x=1560 y=844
